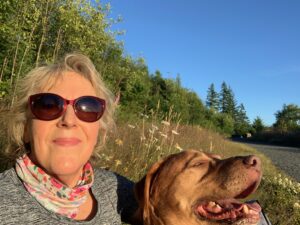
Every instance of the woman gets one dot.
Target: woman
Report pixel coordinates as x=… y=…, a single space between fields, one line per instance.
x=55 y=127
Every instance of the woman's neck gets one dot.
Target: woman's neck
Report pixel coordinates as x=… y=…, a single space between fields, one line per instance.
x=88 y=209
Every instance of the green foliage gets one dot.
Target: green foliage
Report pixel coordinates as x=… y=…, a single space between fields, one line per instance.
x=233 y=118
x=186 y=103
x=196 y=109
x=285 y=196
x=220 y=122
x=38 y=31
x=159 y=91
x=225 y=123
x=212 y=100
x=258 y=125
x=286 y=129
x=242 y=123
x=288 y=119
x=227 y=101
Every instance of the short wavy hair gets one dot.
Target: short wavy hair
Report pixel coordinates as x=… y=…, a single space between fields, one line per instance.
x=34 y=82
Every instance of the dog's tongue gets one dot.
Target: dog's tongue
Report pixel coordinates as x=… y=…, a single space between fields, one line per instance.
x=230 y=210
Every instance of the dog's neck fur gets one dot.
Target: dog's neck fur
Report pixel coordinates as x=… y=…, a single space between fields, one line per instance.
x=172 y=214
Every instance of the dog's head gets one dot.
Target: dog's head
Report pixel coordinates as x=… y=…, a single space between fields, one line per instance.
x=195 y=188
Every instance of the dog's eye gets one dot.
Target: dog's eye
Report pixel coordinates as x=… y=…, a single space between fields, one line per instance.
x=198 y=163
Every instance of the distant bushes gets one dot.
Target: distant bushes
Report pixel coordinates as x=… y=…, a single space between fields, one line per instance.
x=278 y=138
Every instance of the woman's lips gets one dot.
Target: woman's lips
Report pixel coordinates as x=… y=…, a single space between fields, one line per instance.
x=66 y=141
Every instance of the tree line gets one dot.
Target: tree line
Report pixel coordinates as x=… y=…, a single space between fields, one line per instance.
x=34 y=32
x=224 y=105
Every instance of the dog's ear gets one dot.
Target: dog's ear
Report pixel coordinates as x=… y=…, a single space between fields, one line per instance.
x=139 y=190
x=142 y=192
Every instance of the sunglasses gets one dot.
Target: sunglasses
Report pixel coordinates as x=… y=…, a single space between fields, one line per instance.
x=48 y=106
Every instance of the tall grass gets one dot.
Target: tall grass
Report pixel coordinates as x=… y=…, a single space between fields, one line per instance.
x=135 y=146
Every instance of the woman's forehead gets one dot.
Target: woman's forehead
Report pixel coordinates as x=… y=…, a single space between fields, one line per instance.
x=67 y=81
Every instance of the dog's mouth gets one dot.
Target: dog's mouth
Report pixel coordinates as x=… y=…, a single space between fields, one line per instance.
x=230 y=209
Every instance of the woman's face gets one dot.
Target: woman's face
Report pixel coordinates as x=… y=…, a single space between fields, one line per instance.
x=62 y=146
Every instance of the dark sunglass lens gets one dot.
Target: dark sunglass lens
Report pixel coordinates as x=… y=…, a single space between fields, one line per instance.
x=89 y=109
x=47 y=106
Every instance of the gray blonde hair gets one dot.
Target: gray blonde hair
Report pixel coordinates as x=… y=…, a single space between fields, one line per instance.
x=34 y=82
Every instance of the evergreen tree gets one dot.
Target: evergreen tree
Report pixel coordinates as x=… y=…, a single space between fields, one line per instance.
x=241 y=115
x=232 y=108
x=212 y=99
x=227 y=101
x=242 y=123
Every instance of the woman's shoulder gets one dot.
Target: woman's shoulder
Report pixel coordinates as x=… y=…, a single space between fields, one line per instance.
x=118 y=190
x=12 y=194
x=113 y=185
x=109 y=179
x=4 y=174
x=8 y=178
x=9 y=184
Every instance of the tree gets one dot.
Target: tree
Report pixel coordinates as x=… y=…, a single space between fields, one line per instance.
x=196 y=108
x=241 y=123
x=133 y=84
x=39 y=31
x=227 y=101
x=212 y=99
x=258 y=125
x=288 y=119
x=225 y=123
x=178 y=98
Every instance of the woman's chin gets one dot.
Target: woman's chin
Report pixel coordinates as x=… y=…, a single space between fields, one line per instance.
x=67 y=169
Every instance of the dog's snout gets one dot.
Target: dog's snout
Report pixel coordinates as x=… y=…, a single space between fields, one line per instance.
x=252 y=160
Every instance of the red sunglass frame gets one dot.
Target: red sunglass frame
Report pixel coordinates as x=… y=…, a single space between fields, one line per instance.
x=66 y=102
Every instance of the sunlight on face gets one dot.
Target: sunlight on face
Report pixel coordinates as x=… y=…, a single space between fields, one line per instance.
x=62 y=146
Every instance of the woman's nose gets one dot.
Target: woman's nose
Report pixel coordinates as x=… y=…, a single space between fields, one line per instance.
x=68 y=118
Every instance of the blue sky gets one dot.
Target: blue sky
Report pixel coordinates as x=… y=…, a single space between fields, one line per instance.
x=254 y=46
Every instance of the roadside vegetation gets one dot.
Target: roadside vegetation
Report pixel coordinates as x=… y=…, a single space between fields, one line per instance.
x=156 y=116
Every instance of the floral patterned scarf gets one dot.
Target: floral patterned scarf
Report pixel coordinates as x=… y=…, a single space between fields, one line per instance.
x=50 y=192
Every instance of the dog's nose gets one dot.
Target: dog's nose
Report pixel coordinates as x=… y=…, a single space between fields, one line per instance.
x=252 y=160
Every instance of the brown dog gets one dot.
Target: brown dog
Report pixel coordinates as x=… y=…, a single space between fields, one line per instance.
x=195 y=188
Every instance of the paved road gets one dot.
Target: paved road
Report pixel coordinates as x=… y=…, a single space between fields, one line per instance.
x=285 y=158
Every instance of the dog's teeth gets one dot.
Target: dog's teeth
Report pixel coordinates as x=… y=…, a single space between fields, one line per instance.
x=252 y=211
x=245 y=209
x=218 y=207
x=211 y=204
